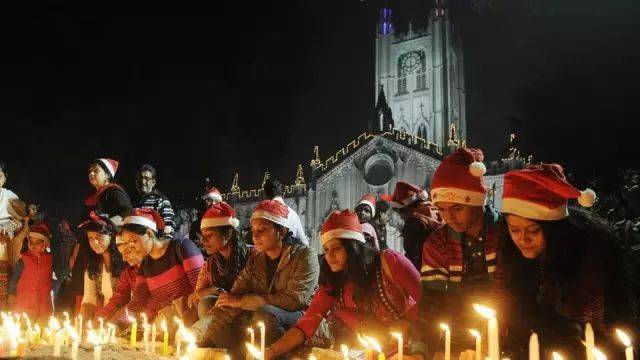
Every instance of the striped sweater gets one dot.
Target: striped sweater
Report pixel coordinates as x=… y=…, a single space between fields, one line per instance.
x=162 y=280
x=158 y=202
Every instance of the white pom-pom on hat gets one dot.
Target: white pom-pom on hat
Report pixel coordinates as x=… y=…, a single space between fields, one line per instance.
x=587 y=198
x=477 y=169
x=234 y=222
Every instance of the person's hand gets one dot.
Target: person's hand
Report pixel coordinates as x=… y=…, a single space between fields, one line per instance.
x=226 y=299
x=11 y=300
x=193 y=299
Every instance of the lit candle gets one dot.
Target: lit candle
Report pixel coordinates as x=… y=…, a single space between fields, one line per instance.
x=36 y=334
x=75 y=342
x=80 y=327
x=153 y=338
x=54 y=326
x=492 y=330
x=534 y=347
x=476 y=334
x=312 y=357
x=376 y=347
x=22 y=347
x=556 y=356
x=252 y=337
x=145 y=336
x=447 y=341
x=134 y=328
x=345 y=351
x=368 y=354
x=95 y=340
x=598 y=355
x=58 y=339
x=101 y=327
x=626 y=341
x=255 y=352
x=165 y=343
x=178 y=336
x=262 y=340
x=589 y=338
x=398 y=336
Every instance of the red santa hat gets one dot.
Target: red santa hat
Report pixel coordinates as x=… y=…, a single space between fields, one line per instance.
x=110 y=165
x=219 y=214
x=341 y=224
x=213 y=194
x=272 y=210
x=145 y=217
x=369 y=200
x=406 y=194
x=40 y=232
x=459 y=178
x=541 y=192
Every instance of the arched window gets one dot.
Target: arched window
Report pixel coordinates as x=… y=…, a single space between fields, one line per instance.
x=412 y=64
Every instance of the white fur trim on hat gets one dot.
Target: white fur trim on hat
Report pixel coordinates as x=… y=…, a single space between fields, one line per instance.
x=372 y=206
x=423 y=195
x=261 y=214
x=141 y=220
x=213 y=196
x=37 y=236
x=109 y=166
x=477 y=169
x=587 y=198
x=459 y=196
x=533 y=211
x=221 y=221
x=341 y=234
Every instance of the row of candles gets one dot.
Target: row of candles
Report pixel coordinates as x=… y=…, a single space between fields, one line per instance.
x=18 y=333
x=372 y=346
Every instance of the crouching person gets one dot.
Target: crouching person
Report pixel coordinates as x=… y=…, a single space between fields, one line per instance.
x=275 y=287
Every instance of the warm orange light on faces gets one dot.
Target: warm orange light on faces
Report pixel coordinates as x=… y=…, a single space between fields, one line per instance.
x=458 y=216
x=213 y=239
x=335 y=254
x=527 y=235
x=265 y=234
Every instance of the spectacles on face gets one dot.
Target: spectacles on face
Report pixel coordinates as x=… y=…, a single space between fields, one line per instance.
x=128 y=245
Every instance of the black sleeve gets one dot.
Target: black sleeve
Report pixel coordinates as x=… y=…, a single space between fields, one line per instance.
x=117 y=202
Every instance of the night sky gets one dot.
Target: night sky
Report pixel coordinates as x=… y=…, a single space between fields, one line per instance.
x=251 y=86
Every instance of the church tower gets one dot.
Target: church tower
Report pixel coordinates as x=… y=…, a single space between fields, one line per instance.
x=420 y=74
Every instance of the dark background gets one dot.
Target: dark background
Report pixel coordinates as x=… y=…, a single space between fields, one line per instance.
x=249 y=86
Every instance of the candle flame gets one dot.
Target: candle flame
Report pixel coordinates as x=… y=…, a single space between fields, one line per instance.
x=485 y=311
x=177 y=320
x=396 y=334
x=261 y=325
x=444 y=326
x=163 y=325
x=312 y=357
x=475 y=333
x=254 y=351
x=54 y=324
x=599 y=355
x=73 y=334
x=375 y=345
x=227 y=357
x=130 y=318
x=345 y=350
x=364 y=342
x=556 y=356
x=144 y=317
x=626 y=340
x=93 y=338
x=250 y=330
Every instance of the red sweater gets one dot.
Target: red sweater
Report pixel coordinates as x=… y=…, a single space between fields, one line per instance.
x=122 y=295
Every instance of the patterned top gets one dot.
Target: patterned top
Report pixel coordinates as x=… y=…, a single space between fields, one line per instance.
x=159 y=203
x=171 y=276
x=215 y=272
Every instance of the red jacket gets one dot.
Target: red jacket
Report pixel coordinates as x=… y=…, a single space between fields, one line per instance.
x=33 y=292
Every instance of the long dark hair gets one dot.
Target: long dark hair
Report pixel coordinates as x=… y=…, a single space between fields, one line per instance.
x=238 y=255
x=362 y=263
x=94 y=260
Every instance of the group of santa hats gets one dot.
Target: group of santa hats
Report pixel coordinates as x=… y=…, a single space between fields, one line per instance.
x=539 y=192
x=221 y=214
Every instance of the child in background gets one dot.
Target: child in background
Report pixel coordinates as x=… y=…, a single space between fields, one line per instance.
x=30 y=285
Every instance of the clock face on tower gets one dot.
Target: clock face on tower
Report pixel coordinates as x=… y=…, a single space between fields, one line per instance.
x=411 y=63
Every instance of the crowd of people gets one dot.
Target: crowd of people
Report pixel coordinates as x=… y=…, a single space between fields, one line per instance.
x=543 y=262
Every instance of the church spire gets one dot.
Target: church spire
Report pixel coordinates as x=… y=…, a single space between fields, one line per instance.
x=382 y=120
x=385 y=24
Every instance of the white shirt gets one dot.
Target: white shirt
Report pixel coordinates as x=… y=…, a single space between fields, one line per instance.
x=295 y=225
x=91 y=292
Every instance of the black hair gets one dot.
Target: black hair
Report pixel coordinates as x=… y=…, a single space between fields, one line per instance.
x=382 y=207
x=237 y=258
x=149 y=168
x=103 y=167
x=272 y=188
x=3 y=168
x=362 y=264
x=95 y=261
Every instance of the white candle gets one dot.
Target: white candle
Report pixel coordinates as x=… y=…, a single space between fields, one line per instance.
x=598 y=355
x=345 y=352
x=58 y=338
x=398 y=336
x=556 y=356
x=252 y=337
x=476 y=334
x=447 y=341
x=101 y=321
x=97 y=352
x=95 y=340
x=75 y=342
x=80 y=328
x=589 y=338
x=153 y=338
x=492 y=330
x=626 y=341
x=534 y=347
x=262 y=340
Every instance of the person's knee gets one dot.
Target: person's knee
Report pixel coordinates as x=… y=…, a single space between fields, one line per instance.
x=205 y=304
x=267 y=314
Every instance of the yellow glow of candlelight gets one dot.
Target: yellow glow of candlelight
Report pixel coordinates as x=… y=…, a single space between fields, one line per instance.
x=89 y=325
x=73 y=334
x=397 y=335
x=255 y=352
x=364 y=342
x=485 y=311
x=375 y=345
x=93 y=338
x=130 y=318
x=54 y=324
x=626 y=340
x=312 y=357
x=474 y=333
x=444 y=326
x=345 y=351
x=250 y=331
x=227 y=357
x=599 y=355
x=556 y=356
x=163 y=325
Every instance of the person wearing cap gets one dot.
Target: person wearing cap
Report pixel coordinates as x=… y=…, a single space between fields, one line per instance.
x=109 y=199
x=274 y=287
x=366 y=210
x=104 y=265
x=168 y=271
x=388 y=234
x=459 y=258
x=228 y=255
x=273 y=190
x=154 y=199
x=211 y=197
x=362 y=291
x=411 y=203
x=31 y=281
x=556 y=272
